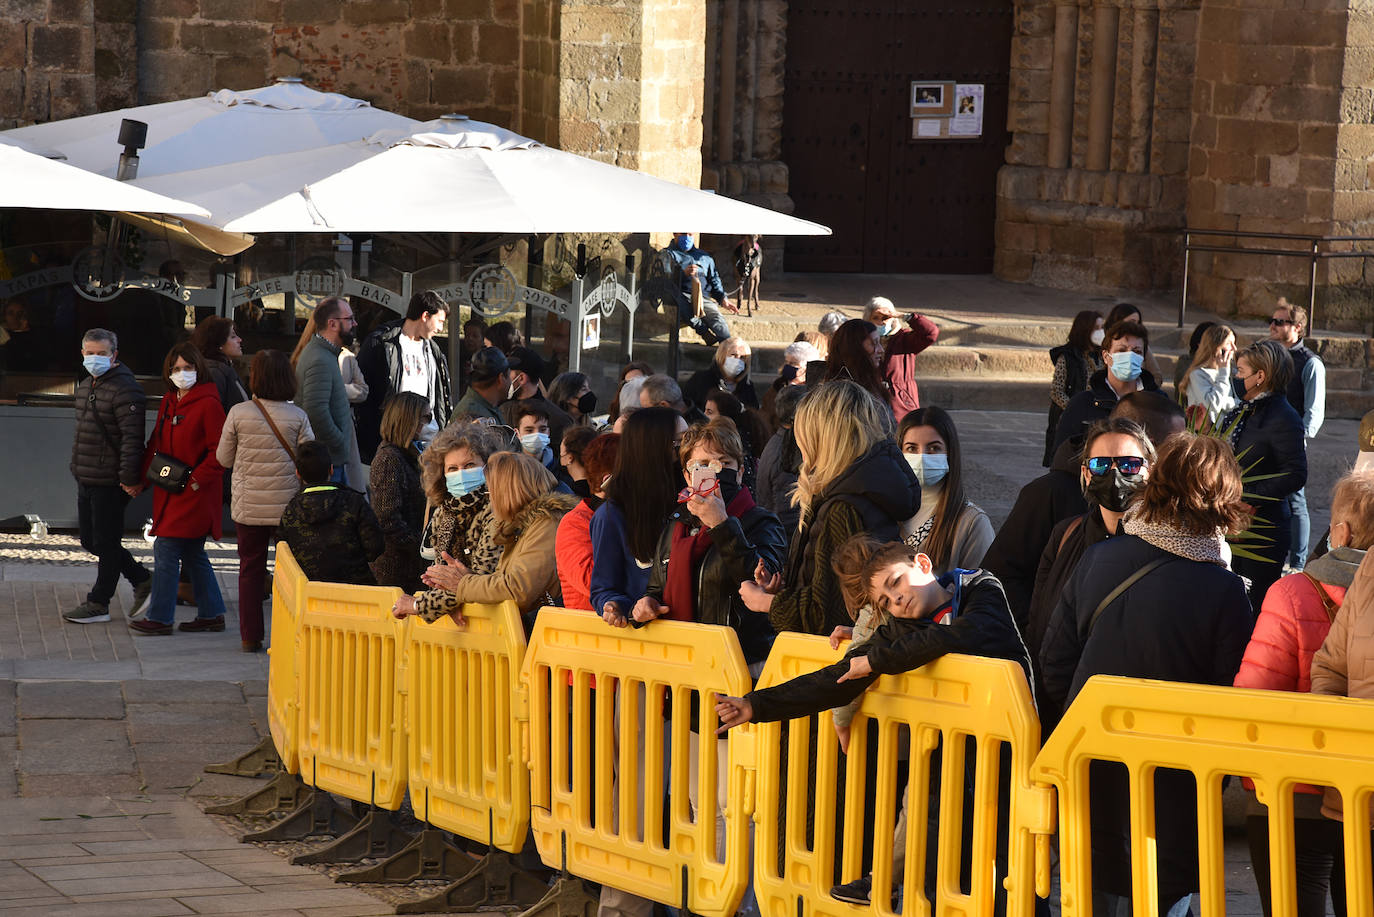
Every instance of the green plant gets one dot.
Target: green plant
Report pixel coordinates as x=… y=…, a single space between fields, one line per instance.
x=1245 y=543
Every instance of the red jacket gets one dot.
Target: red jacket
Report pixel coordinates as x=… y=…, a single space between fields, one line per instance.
x=899 y=362
x=188 y=428
x=573 y=552
x=1291 y=627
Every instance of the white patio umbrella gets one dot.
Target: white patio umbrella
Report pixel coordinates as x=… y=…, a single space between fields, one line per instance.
x=33 y=181
x=224 y=127
x=456 y=175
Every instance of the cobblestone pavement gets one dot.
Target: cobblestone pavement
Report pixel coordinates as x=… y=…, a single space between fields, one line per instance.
x=103 y=736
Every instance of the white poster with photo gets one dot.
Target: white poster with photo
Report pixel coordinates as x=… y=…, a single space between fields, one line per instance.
x=591 y=332
x=967 y=120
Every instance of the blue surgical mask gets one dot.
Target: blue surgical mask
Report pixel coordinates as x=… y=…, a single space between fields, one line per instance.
x=464 y=480
x=534 y=443
x=1126 y=366
x=683 y=243
x=930 y=468
x=97 y=364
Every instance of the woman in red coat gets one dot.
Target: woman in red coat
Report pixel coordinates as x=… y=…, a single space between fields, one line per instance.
x=188 y=429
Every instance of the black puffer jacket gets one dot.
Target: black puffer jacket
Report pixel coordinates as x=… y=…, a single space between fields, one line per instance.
x=874 y=495
x=110 y=425
x=737 y=545
x=709 y=380
x=333 y=534
x=1093 y=404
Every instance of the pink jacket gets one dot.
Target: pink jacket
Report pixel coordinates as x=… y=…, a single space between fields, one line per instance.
x=1292 y=625
x=899 y=362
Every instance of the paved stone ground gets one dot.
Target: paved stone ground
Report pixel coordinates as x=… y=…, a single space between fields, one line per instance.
x=103 y=735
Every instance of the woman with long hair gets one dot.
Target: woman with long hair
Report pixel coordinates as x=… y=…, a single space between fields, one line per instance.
x=219 y=343
x=527 y=510
x=1074 y=361
x=397 y=495
x=640 y=494
x=259 y=443
x=1267 y=436
x=458 y=514
x=574 y=543
x=1155 y=602
x=1208 y=379
x=189 y=423
x=949 y=529
x=1181 y=366
x=853 y=479
x=856 y=354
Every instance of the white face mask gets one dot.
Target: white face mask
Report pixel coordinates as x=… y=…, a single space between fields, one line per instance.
x=734 y=367
x=534 y=443
x=1097 y=336
x=184 y=379
x=930 y=468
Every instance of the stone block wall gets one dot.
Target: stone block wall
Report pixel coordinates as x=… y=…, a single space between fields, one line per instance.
x=1096 y=176
x=47 y=60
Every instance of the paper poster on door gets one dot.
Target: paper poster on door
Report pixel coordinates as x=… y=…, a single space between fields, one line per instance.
x=968 y=111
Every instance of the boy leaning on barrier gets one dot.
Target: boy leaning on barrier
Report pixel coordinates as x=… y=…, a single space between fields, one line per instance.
x=964 y=611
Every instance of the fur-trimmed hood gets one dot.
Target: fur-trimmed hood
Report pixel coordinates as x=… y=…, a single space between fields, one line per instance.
x=552 y=505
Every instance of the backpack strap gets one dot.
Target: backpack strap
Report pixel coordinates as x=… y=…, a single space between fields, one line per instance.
x=1125 y=584
x=1330 y=605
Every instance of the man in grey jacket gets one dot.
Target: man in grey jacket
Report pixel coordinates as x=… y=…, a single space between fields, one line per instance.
x=107 y=462
x=320 y=386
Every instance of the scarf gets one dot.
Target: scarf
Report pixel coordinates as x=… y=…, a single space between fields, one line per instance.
x=1336 y=567
x=452 y=520
x=687 y=551
x=1203 y=548
x=1240 y=416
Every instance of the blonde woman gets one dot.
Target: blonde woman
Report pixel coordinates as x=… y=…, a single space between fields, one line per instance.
x=853 y=479
x=728 y=372
x=527 y=512
x=1208 y=380
x=458 y=514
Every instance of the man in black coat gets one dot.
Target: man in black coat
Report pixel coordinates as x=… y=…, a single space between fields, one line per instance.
x=107 y=462
x=1123 y=350
x=402 y=356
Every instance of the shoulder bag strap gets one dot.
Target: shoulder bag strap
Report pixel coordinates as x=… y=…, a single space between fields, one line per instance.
x=1073 y=527
x=275 y=432
x=1328 y=603
x=1126 y=584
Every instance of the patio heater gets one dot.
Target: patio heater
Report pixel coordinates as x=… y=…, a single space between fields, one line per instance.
x=133 y=136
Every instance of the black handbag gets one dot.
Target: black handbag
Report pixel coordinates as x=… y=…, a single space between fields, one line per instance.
x=167 y=471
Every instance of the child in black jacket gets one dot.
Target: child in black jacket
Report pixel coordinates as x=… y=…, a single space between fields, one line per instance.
x=964 y=611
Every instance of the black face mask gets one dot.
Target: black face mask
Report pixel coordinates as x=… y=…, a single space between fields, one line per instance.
x=728 y=478
x=1113 y=491
x=587 y=403
x=582 y=488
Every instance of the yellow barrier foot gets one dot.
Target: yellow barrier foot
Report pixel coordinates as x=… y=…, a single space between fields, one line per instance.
x=373 y=836
x=496 y=882
x=282 y=794
x=429 y=855
x=261 y=759
x=567 y=898
x=318 y=814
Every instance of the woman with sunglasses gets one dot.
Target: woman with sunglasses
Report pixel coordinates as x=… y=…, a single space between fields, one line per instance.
x=1116 y=463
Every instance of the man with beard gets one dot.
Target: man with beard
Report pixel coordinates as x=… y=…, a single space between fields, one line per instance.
x=320 y=386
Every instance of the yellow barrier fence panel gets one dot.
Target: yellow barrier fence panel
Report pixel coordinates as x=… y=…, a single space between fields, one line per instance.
x=597 y=695
x=283 y=707
x=1277 y=739
x=352 y=706
x=467 y=771
x=978 y=712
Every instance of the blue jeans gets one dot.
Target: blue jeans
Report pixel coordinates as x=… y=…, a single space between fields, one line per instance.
x=1301 y=537
x=340 y=475
x=169 y=554
x=1106 y=904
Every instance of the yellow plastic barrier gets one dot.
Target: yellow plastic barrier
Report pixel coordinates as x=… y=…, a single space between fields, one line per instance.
x=597 y=807
x=1277 y=739
x=953 y=699
x=352 y=739
x=283 y=703
x=467 y=772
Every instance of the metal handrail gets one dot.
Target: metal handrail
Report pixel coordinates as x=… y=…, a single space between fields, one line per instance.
x=1312 y=251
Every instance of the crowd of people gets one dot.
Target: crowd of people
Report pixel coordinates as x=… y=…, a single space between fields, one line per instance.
x=826 y=500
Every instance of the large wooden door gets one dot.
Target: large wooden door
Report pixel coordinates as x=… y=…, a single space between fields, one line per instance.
x=895 y=204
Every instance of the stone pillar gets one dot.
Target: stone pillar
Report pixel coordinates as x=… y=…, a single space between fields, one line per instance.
x=1106 y=21
x=1063 y=71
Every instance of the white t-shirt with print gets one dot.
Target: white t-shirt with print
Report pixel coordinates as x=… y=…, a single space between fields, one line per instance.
x=415 y=366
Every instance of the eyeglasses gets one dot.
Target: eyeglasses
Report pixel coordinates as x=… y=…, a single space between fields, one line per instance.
x=1127 y=464
x=1282 y=321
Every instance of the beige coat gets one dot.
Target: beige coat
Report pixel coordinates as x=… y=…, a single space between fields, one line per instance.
x=1344 y=666
x=264 y=475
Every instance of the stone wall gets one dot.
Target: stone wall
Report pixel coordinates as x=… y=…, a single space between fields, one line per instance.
x=1096 y=177
x=47 y=60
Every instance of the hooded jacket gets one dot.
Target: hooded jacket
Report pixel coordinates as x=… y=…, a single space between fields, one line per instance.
x=188 y=428
x=113 y=404
x=264 y=474
x=874 y=495
x=380 y=361
x=737 y=545
x=527 y=573
x=333 y=534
